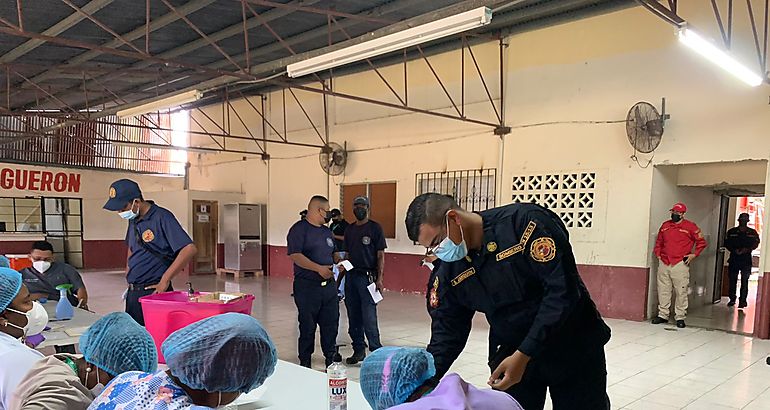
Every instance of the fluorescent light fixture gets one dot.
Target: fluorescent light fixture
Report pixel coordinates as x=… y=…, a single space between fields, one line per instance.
x=161 y=104
x=719 y=57
x=165 y=147
x=416 y=35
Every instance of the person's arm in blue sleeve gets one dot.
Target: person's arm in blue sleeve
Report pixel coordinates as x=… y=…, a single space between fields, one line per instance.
x=381 y=246
x=181 y=244
x=546 y=258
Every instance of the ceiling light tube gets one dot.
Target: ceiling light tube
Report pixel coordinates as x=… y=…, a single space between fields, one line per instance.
x=716 y=55
x=410 y=37
x=161 y=104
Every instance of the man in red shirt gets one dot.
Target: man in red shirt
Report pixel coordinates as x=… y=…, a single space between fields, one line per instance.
x=674 y=249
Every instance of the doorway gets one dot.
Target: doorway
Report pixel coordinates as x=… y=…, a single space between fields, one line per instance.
x=718 y=315
x=205 y=234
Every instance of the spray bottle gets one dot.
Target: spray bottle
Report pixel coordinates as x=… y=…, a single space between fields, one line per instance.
x=64 y=309
x=338 y=383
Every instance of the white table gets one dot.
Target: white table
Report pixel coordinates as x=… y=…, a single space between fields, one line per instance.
x=296 y=387
x=58 y=335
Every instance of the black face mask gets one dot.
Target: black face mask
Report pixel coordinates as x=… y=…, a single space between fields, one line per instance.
x=360 y=213
x=328 y=217
x=676 y=217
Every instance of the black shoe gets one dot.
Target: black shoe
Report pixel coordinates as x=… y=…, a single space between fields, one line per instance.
x=357 y=357
x=731 y=303
x=680 y=324
x=305 y=364
x=658 y=320
x=742 y=304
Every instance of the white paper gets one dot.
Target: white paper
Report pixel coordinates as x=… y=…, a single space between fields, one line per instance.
x=347 y=265
x=429 y=265
x=376 y=295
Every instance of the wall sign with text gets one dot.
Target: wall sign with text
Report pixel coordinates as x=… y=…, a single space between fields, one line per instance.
x=34 y=180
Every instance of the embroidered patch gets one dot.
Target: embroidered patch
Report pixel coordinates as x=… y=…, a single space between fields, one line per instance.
x=461 y=277
x=543 y=249
x=491 y=247
x=148 y=236
x=330 y=242
x=366 y=240
x=434 y=294
x=113 y=194
x=519 y=247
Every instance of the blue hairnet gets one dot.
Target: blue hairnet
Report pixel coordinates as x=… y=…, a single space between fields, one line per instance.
x=230 y=352
x=4 y=262
x=10 y=285
x=117 y=344
x=391 y=374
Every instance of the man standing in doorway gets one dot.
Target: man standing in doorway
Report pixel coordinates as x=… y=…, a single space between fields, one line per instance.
x=674 y=249
x=740 y=241
x=311 y=248
x=158 y=247
x=365 y=244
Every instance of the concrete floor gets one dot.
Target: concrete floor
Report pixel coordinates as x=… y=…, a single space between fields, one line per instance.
x=649 y=367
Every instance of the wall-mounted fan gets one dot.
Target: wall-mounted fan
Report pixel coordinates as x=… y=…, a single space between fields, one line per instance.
x=645 y=126
x=333 y=158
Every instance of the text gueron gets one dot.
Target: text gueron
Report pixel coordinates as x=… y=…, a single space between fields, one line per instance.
x=33 y=180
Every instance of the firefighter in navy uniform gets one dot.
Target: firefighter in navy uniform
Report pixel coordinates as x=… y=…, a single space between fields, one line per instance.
x=514 y=264
x=740 y=241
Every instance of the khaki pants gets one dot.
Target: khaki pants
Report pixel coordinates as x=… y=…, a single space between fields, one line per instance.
x=678 y=278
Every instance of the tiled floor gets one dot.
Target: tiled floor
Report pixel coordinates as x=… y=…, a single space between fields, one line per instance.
x=720 y=316
x=650 y=367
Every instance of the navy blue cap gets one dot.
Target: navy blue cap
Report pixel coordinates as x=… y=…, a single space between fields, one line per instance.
x=122 y=192
x=361 y=200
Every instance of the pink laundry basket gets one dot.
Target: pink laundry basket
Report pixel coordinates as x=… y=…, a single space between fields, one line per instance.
x=165 y=313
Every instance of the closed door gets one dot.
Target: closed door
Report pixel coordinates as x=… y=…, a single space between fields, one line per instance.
x=205 y=228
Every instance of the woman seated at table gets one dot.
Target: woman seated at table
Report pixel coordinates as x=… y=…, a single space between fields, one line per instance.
x=114 y=344
x=391 y=376
x=210 y=363
x=19 y=318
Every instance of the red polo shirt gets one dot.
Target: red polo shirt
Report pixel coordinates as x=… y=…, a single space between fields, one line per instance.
x=676 y=240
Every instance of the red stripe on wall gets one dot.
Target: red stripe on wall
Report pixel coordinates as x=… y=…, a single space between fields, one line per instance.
x=104 y=254
x=619 y=292
x=762 y=317
x=15 y=247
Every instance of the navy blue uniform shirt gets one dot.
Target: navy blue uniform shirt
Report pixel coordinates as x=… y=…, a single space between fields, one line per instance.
x=526 y=282
x=338 y=228
x=160 y=231
x=315 y=242
x=738 y=239
x=362 y=242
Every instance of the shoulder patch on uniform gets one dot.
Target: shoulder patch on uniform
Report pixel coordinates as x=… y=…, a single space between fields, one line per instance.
x=461 y=277
x=491 y=246
x=434 y=294
x=543 y=249
x=519 y=247
x=148 y=235
x=330 y=242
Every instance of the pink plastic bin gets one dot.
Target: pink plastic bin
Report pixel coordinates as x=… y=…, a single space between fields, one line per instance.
x=168 y=312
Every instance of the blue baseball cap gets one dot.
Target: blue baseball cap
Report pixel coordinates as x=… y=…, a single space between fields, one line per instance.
x=121 y=193
x=361 y=200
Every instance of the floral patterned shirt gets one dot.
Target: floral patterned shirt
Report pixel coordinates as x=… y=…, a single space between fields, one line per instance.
x=143 y=391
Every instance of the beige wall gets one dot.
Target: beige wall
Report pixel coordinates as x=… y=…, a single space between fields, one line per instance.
x=99 y=224
x=591 y=70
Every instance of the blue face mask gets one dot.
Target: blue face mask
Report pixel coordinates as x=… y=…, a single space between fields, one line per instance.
x=449 y=251
x=129 y=214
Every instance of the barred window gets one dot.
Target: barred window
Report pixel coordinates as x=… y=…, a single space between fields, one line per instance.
x=473 y=189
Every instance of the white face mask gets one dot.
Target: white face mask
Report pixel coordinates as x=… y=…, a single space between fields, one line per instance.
x=37 y=319
x=41 y=266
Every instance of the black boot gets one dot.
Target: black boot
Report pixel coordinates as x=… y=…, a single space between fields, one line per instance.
x=731 y=303
x=357 y=357
x=680 y=324
x=742 y=304
x=658 y=320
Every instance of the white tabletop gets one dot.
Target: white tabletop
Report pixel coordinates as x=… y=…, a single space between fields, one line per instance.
x=296 y=387
x=66 y=332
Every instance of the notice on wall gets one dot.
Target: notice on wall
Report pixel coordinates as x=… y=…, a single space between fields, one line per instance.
x=35 y=180
x=203 y=218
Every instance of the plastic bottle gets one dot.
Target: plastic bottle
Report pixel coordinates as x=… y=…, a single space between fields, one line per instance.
x=64 y=309
x=338 y=384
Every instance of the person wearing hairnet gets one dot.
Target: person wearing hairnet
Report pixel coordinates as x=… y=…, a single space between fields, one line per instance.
x=19 y=317
x=114 y=344
x=390 y=378
x=210 y=363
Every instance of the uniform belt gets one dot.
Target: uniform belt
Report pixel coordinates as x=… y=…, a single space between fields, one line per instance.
x=320 y=283
x=140 y=286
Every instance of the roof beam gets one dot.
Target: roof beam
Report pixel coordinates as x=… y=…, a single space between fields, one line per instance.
x=53 y=31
